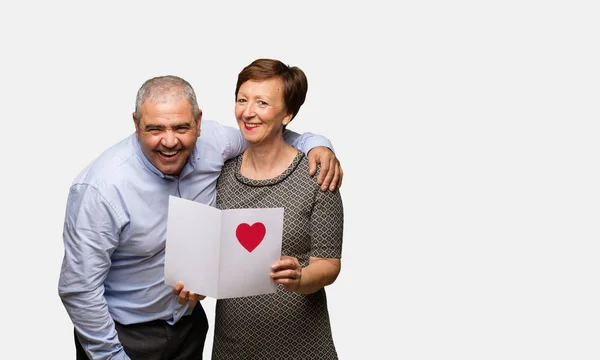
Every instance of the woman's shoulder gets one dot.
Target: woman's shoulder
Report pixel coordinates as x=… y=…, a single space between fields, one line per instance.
x=302 y=174
x=231 y=164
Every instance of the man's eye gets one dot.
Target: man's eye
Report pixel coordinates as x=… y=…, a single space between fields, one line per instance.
x=182 y=130
x=153 y=131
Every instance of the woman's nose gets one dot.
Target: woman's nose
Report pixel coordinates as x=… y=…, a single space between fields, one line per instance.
x=249 y=110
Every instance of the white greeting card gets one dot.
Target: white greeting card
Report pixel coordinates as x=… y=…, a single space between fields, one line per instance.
x=222 y=253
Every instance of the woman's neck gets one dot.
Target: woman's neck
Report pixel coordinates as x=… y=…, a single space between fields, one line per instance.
x=266 y=161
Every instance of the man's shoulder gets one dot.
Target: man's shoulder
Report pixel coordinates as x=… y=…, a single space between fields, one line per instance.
x=214 y=133
x=217 y=142
x=110 y=166
x=211 y=129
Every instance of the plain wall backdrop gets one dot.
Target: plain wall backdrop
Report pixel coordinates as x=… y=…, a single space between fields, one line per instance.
x=467 y=130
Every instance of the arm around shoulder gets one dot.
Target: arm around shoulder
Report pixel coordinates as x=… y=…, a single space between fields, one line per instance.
x=227 y=139
x=320 y=152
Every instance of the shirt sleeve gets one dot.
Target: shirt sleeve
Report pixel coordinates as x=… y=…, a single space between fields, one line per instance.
x=227 y=140
x=91 y=233
x=327 y=224
x=231 y=142
x=306 y=141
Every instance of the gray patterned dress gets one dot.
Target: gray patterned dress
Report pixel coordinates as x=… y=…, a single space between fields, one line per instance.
x=283 y=325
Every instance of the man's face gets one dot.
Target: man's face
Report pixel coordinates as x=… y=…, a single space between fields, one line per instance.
x=167 y=133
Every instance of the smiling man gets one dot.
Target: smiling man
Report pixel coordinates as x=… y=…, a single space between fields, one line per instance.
x=112 y=277
x=167 y=133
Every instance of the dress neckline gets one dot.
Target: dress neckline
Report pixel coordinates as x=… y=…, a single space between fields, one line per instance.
x=267 y=182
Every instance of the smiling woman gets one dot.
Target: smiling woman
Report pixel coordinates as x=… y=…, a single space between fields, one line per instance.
x=260 y=110
x=293 y=322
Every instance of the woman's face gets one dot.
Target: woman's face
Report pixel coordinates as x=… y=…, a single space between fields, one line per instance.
x=260 y=110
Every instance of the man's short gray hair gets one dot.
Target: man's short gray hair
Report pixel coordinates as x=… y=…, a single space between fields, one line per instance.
x=165 y=88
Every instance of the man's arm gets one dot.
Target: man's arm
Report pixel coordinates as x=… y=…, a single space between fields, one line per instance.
x=318 y=149
x=90 y=235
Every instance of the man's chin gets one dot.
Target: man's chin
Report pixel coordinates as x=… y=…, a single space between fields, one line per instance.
x=171 y=170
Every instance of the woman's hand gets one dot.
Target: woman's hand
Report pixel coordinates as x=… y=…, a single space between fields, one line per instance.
x=287 y=272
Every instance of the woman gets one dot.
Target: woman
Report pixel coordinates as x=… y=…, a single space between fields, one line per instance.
x=294 y=321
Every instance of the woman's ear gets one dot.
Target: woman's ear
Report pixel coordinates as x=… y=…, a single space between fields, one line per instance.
x=287 y=119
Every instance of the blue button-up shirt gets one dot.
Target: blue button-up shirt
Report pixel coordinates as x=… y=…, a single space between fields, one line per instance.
x=115 y=233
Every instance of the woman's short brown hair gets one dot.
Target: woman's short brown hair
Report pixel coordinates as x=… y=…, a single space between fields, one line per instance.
x=295 y=83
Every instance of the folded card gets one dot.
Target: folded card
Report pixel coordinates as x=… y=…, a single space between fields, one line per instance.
x=222 y=253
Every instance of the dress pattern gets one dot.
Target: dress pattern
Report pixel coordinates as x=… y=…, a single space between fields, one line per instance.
x=283 y=325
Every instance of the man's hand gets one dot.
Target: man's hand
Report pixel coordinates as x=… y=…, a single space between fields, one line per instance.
x=331 y=171
x=184 y=295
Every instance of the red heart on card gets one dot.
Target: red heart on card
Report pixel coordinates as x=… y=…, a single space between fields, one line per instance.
x=250 y=236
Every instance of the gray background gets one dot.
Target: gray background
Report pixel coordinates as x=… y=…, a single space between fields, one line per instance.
x=468 y=133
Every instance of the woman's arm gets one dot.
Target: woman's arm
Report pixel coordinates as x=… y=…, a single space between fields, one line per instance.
x=319 y=273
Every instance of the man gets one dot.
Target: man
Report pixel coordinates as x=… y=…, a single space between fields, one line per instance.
x=112 y=277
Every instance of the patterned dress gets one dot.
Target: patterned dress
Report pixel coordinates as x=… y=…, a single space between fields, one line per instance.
x=283 y=325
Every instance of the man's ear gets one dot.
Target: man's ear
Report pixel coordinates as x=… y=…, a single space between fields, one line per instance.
x=198 y=122
x=135 y=123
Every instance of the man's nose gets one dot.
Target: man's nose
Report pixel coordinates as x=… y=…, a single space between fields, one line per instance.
x=169 y=139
